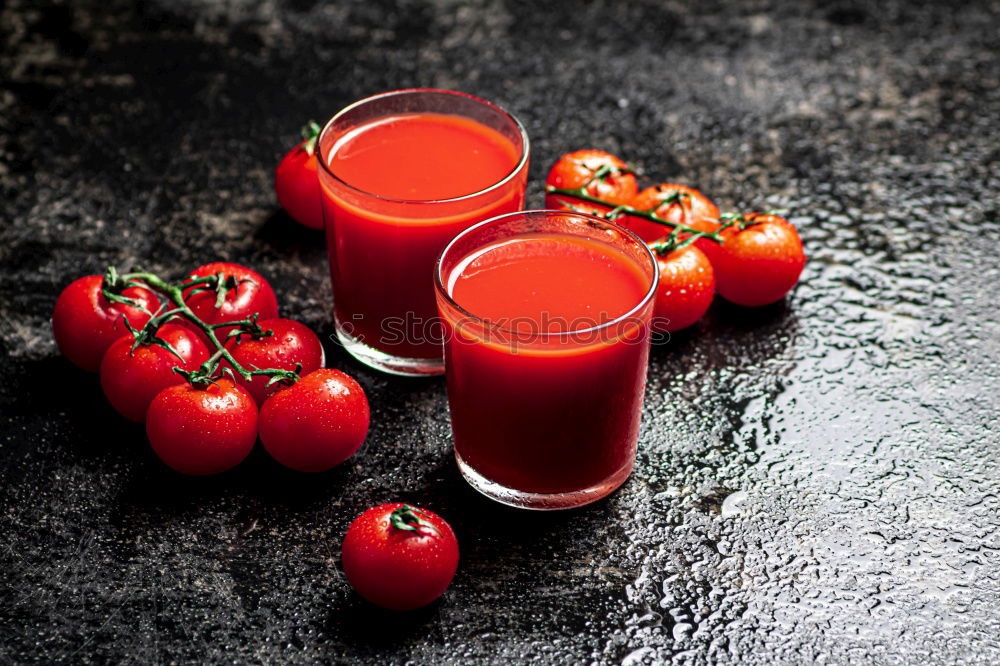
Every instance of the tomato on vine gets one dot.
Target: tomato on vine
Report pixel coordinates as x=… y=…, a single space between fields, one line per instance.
x=241 y=293
x=759 y=261
x=679 y=204
x=134 y=371
x=296 y=182
x=204 y=430
x=399 y=557
x=685 y=291
x=85 y=322
x=275 y=343
x=600 y=174
x=317 y=423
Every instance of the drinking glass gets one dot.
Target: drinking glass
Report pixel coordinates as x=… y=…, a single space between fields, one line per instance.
x=382 y=249
x=546 y=416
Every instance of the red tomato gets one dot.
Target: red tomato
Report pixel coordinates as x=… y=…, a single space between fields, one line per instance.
x=131 y=379
x=297 y=184
x=196 y=331
x=574 y=169
x=202 y=431
x=399 y=557
x=757 y=265
x=85 y=323
x=287 y=343
x=694 y=210
x=252 y=295
x=317 y=423
x=686 y=289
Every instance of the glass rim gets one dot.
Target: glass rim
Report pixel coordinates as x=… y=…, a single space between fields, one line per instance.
x=522 y=161
x=643 y=302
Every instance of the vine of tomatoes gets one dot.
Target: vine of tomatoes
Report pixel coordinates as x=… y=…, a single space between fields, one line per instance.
x=198 y=359
x=750 y=260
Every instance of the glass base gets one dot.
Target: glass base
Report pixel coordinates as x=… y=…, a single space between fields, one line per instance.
x=394 y=365
x=542 y=501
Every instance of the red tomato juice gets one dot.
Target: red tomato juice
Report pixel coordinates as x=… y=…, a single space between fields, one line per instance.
x=539 y=404
x=393 y=218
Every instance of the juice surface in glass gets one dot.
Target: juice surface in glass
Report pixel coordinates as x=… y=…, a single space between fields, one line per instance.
x=546 y=351
x=422 y=157
x=398 y=187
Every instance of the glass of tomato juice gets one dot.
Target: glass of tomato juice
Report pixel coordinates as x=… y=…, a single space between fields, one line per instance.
x=547 y=327
x=401 y=174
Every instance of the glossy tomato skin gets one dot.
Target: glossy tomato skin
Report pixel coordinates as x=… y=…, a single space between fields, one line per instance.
x=85 y=323
x=694 y=210
x=288 y=344
x=296 y=183
x=757 y=265
x=252 y=295
x=202 y=431
x=399 y=569
x=685 y=291
x=317 y=423
x=132 y=378
x=574 y=169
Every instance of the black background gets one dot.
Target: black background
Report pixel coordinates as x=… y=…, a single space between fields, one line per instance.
x=817 y=480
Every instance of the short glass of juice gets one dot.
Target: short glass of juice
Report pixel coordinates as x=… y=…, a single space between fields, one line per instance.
x=546 y=319
x=401 y=174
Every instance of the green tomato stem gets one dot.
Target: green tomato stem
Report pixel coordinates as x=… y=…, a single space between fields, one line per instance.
x=622 y=209
x=175 y=295
x=411 y=519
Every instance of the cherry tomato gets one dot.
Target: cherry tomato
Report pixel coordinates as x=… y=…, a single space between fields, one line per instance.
x=574 y=169
x=202 y=431
x=694 y=210
x=686 y=289
x=285 y=344
x=317 y=423
x=399 y=557
x=252 y=295
x=132 y=378
x=758 y=264
x=85 y=323
x=296 y=181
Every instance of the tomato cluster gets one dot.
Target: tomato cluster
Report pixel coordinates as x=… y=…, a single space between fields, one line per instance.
x=211 y=368
x=749 y=260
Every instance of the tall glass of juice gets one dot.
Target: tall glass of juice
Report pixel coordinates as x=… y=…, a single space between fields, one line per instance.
x=547 y=326
x=401 y=174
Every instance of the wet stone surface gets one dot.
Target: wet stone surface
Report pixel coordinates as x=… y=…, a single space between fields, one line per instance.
x=818 y=481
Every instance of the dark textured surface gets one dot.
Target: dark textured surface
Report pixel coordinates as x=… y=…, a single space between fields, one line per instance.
x=817 y=481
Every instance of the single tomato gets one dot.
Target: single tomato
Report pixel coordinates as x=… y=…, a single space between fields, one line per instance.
x=759 y=260
x=249 y=294
x=685 y=291
x=675 y=203
x=296 y=181
x=581 y=168
x=284 y=345
x=201 y=431
x=317 y=423
x=85 y=323
x=399 y=557
x=131 y=378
